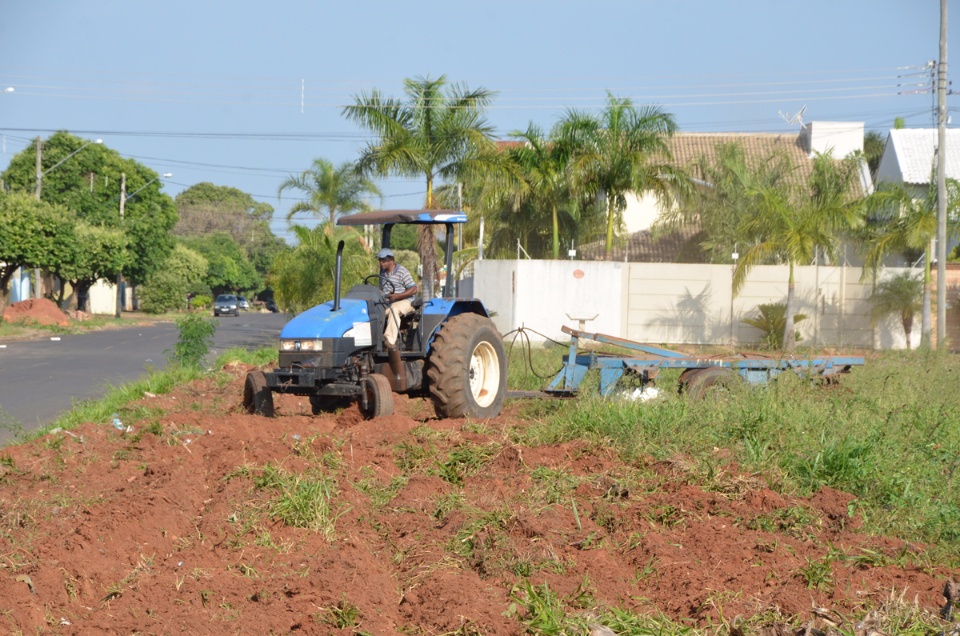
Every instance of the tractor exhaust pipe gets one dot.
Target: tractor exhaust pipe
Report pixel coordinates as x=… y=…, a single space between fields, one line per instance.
x=336 y=282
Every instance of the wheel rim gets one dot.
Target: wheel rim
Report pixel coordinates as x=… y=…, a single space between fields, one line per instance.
x=484 y=374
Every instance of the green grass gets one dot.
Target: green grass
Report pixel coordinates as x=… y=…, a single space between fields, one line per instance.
x=888 y=434
x=303 y=500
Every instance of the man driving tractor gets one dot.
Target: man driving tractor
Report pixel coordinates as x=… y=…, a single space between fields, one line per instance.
x=398 y=287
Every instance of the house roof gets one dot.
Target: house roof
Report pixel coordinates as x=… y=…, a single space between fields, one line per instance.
x=677 y=246
x=688 y=148
x=913 y=150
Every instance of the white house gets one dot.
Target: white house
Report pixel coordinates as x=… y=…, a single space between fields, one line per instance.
x=838 y=138
x=908 y=158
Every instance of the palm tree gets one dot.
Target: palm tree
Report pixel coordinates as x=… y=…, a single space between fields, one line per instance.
x=791 y=223
x=900 y=294
x=537 y=178
x=717 y=207
x=622 y=150
x=336 y=190
x=910 y=224
x=431 y=134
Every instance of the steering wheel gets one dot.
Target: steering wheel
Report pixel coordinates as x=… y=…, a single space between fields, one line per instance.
x=372 y=279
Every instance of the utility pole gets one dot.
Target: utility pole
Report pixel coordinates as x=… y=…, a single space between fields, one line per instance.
x=123 y=201
x=37 y=281
x=942 y=182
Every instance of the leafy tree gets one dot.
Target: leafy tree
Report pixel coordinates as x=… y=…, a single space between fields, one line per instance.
x=185 y=270
x=206 y=209
x=89 y=184
x=334 y=190
x=431 y=134
x=900 y=294
x=32 y=234
x=98 y=254
x=905 y=223
x=165 y=291
x=873 y=145
x=404 y=237
x=622 y=150
x=187 y=264
x=228 y=268
x=304 y=276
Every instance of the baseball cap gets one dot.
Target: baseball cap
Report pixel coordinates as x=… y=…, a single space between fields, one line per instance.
x=385 y=253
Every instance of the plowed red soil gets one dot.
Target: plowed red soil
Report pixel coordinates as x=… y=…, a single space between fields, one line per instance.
x=174 y=527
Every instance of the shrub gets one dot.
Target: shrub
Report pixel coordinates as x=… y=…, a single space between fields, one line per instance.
x=201 y=302
x=773 y=323
x=196 y=336
x=163 y=292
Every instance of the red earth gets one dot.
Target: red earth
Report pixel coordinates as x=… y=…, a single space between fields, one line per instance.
x=178 y=524
x=40 y=310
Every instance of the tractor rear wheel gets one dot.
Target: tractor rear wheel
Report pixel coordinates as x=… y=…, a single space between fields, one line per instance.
x=468 y=368
x=377 y=397
x=257 y=397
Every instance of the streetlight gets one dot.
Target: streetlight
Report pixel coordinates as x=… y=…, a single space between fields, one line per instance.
x=40 y=174
x=123 y=201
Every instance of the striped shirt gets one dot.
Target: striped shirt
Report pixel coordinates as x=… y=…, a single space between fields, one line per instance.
x=397 y=281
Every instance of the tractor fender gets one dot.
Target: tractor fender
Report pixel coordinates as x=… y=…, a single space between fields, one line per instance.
x=439 y=310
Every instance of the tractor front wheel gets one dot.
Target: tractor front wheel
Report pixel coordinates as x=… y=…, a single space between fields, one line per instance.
x=468 y=368
x=377 y=397
x=257 y=397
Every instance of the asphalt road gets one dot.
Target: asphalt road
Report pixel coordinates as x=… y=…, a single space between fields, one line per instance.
x=40 y=379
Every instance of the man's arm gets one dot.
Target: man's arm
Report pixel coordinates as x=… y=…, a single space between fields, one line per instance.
x=406 y=293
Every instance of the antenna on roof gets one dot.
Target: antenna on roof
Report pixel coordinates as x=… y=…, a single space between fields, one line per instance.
x=795 y=119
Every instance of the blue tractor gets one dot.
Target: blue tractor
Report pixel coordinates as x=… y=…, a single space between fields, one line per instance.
x=448 y=349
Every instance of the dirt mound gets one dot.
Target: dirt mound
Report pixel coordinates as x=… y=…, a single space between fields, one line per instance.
x=202 y=518
x=39 y=310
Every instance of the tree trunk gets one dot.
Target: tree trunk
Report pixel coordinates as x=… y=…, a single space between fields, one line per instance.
x=608 y=246
x=556 y=234
x=6 y=273
x=907 y=321
x=426 y=242
x=926 y=322
x=83 y=295
x=789 y=331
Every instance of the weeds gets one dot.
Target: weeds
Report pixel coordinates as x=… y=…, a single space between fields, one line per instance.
x=465 y=461
x=305 y=500
x=193 y=344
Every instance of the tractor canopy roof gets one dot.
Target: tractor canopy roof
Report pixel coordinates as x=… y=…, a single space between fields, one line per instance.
x=423 y=217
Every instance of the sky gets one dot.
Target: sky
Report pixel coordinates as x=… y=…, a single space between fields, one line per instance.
x=245 y=93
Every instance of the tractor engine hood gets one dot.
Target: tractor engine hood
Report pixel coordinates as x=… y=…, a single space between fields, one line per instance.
x=352 y=320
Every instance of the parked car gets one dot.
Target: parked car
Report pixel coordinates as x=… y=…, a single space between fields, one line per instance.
x=242 y=302
x=226 y=305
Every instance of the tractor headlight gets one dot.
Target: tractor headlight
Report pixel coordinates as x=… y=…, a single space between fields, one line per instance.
x=294 y=344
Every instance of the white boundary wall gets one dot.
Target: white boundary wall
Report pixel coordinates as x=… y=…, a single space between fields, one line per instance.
x=678 y=303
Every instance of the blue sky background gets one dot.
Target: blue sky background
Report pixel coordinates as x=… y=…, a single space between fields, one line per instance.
x=244 y=93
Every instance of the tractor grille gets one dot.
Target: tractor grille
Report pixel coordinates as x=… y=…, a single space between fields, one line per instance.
x=334 y=354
